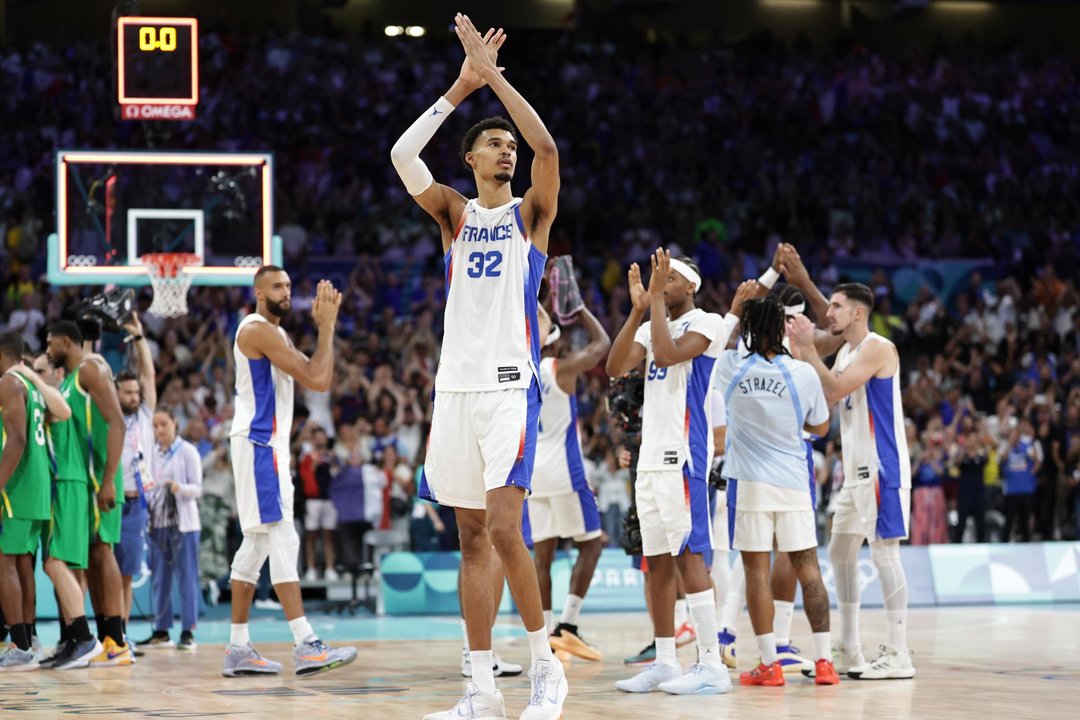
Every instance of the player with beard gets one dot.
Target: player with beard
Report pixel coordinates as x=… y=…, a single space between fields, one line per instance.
x=267 y=364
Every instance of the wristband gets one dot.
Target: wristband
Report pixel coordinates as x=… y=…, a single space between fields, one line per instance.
x=769 y=278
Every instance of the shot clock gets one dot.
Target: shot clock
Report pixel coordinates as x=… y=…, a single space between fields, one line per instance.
x=157 y=67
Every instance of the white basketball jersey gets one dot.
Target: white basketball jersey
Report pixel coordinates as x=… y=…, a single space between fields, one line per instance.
x=264 y=396
x=676 y=419
x=559 y=467
x=872 y=433
x=491 y=338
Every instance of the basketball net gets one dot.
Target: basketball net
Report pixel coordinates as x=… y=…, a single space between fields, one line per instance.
x=169 y=283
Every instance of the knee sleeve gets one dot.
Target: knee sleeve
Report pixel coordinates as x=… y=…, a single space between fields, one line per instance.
x=249 y=559
x=844 y=556
x=885 y=555
x=284 y=547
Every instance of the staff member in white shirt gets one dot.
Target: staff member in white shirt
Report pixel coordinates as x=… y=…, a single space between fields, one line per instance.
x=174 y=529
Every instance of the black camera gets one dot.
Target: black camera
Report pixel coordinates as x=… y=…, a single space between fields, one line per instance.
x=630 y=537
x=717 y=481
x=111 y=311
x=625 y=397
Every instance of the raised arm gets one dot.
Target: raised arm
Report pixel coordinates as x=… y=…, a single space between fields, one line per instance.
x=262 y=340
x=442 y=202
x=13 y=405
x=541 y=200
x=795 y=272
x=585 y=359
x=98 y=383
x=627 y=355
x=59 y=410
x=144 y=361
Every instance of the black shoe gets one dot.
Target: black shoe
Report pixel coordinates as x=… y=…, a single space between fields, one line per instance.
x=63 y=654
x=187 y=641
x=160 y=639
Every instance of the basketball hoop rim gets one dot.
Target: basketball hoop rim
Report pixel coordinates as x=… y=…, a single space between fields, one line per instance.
x=168 y=264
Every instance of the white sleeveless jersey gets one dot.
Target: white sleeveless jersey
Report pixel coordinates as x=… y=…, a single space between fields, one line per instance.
x=491 y=338
x=872 y=433
x=559 y=467
x=676 y=418
x=264 y=396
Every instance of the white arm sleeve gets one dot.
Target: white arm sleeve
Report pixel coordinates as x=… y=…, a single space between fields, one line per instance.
x=726 y=328
x=769 y=278
x=406 y=151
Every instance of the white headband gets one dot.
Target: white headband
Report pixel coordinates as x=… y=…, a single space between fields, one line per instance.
x=553 y=336
x=687 y=272
x=792 y=310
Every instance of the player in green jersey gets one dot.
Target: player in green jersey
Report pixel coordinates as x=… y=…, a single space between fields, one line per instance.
x=25 y=491
x=66 y=549
x=98 y=425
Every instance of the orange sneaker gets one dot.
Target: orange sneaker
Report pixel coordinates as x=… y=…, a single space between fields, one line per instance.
x=767 y=675
x=825 y=673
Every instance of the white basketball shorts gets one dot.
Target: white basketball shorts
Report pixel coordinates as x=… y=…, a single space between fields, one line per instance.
x=872 y=512
x=570 y=515
x=674 y=513
x=264 y=489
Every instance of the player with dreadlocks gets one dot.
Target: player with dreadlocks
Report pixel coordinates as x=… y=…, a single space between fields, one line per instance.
x=771 y=398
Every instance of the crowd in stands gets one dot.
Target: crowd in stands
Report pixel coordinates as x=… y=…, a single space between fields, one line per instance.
x=716 y=151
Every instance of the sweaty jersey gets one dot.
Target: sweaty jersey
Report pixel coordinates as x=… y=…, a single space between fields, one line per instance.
x=264 y=396
x=872 y=429
x=90 y=432
x=27 y=494
x=676 y=422
x=768 y=402
x=559 y=467
x=491 y=338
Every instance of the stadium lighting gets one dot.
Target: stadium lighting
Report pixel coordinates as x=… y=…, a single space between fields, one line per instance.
x=393 y=30
x=415 y=31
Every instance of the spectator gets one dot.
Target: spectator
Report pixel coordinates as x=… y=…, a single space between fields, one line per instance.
x=174 y=530
x=320 y=514
x=1022 y=455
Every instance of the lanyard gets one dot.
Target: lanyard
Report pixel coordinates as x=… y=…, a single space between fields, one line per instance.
x=137 y=455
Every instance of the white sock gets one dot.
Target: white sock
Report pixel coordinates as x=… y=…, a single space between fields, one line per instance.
x=682 y=613
x=896 y=636
x=885 y=555
x=767 y=645
x=822 y=643
x=844 y=555
x=703 y=613
x=782 y=614
x=665 y=652
x=238 y=635
x=571 y=610
x=483 y=675
x=736 y=597
x=849 y=625
x=464 y=635
x=301 y=630
x=539 y=644
x=549 y=621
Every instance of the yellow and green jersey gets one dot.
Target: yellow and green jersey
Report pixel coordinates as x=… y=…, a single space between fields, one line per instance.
x=87 y=437
x=27 y=495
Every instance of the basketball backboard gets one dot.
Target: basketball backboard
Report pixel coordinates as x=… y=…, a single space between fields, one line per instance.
x=113 y=207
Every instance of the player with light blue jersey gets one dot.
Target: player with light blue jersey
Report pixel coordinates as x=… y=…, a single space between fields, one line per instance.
x=771 y=399
x=487 y=392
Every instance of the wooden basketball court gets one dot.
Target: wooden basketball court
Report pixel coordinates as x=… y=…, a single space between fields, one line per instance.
x=1003 y=662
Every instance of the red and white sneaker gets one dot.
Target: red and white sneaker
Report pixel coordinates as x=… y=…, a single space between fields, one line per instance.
x=685 y=635
x=765 y=675
x=825 y=673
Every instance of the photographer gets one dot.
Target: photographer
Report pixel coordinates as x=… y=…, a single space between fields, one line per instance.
x=137 y=391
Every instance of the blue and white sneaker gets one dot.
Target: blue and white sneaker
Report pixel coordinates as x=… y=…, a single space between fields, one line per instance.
x=549 y=690
x=15 y=660
x=246 y=660
x=35 y=647
x=77 y=655
x=315 y=656
x=650 y=679
x=699 y=680
x=727 y=647
x=791 y=661
x=474 y=705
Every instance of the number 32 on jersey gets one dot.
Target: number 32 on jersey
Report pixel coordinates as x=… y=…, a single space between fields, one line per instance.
x=485 y=264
